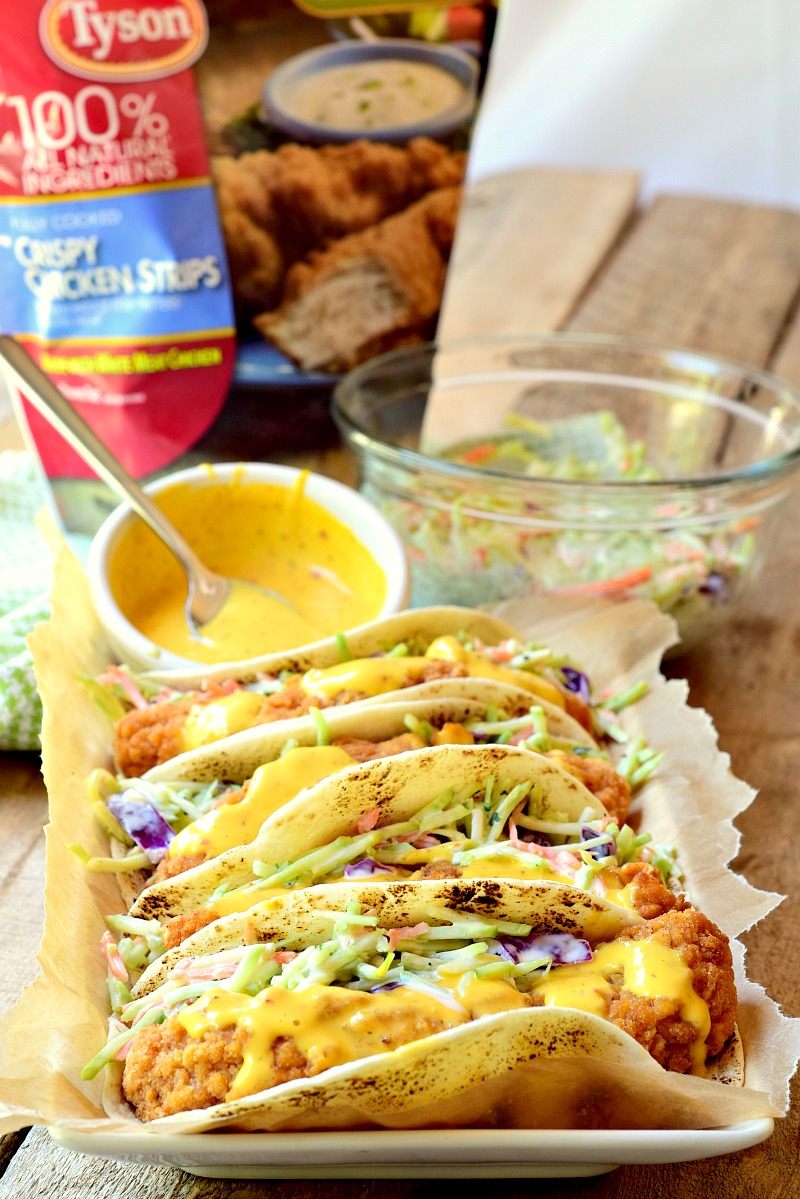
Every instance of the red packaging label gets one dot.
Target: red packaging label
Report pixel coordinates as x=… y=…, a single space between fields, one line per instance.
x=114 y=270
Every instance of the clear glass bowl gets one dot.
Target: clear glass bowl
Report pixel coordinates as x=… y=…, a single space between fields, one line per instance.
x=722 y=441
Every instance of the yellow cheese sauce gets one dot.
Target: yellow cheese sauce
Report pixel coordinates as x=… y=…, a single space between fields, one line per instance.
x=211 y=722
x=374 y=95
x=648 y=968
x=261 y=533
x=375 y=676
x=334 y=1025
x=271 y=786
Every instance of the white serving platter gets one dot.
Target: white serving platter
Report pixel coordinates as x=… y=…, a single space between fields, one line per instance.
x=444 y=1153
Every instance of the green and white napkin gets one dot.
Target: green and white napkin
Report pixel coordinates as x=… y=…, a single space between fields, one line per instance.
x=25 y=574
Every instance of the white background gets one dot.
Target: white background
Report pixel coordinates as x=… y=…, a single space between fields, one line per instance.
x=700 y=96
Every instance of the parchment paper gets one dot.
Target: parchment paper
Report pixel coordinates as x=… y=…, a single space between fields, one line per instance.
x=60 y=1020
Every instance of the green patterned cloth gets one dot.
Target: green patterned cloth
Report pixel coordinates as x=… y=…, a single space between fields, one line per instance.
x=25 y=572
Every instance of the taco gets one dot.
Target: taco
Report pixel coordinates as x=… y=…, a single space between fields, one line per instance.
x=373 y=1003
x=174 y=825
x=490 y=811
x=419 y=653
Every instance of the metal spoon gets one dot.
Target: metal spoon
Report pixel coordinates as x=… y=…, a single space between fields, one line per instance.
x=208 y=591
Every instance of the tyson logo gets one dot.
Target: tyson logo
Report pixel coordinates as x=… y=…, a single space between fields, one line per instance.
x=101 y=39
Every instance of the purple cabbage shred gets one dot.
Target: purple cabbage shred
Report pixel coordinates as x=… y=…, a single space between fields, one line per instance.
x=563 y=948
x=577 y=681
x=715 y=585
x=365 y=868
x=606 y=850
x=144 y=824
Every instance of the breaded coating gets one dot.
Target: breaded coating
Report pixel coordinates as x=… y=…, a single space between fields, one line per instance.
x=168 y=1071
x=649 y=897
x=180 y=927
x=146 y=737
x=578 y=709
x=705 y=949
x=368 y=292
x=657 y=1023
x=170 y=867
x=599 y=776
x=440 y=868
x=277 y=206
x=362 y=750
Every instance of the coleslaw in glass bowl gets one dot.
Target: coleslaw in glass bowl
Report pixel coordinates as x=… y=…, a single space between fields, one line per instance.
x=575 y=465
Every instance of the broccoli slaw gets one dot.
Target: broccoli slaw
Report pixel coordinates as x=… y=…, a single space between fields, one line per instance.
x=483 y=545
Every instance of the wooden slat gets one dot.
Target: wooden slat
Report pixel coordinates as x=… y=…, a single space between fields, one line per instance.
x=705 y=274
x=527 y=246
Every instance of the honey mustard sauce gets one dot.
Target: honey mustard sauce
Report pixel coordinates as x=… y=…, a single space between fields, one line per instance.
x=648 y=968
x=334 y=1025
x=271 y=786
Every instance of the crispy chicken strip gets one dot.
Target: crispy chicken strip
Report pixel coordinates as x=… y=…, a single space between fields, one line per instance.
x=276 y=206
x=369 y=292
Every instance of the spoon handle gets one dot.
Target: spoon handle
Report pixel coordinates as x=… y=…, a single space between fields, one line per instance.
x=43 y=394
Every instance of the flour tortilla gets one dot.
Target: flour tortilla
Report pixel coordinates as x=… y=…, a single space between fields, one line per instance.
x=235 y=758
x=415 y=627
x=398 y=787
x=446 y=1079
x=231 y=761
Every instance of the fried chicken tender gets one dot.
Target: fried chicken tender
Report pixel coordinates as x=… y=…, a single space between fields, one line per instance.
x=649 y=897
x=171 y=867
x=180 y=927
x=276 y=206
x=167 y=1071
x=578 y=709
x=440 y=868
x=368 y=292
x=361 y=750
x=146 y=737
x=599 y=777
x=656 y=1023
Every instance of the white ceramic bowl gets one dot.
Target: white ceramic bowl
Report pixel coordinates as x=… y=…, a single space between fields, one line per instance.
x=363 y=519
x=279 y=92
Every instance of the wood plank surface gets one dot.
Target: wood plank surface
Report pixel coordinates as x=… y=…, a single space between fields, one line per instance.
x=528 y=245
x=700 y=273
x=706 y=274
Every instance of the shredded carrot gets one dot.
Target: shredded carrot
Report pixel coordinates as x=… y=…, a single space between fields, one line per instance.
x=746 y=524
x=113 y=674
x=478 y=453
x=606 y=586
x=368 y=820
x=406 y=934
x=113 y=957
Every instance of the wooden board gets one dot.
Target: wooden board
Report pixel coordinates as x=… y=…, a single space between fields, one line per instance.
x=699 y=273
x=527 y=246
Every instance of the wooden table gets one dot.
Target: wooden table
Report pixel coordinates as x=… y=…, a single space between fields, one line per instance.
x=697 y=272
